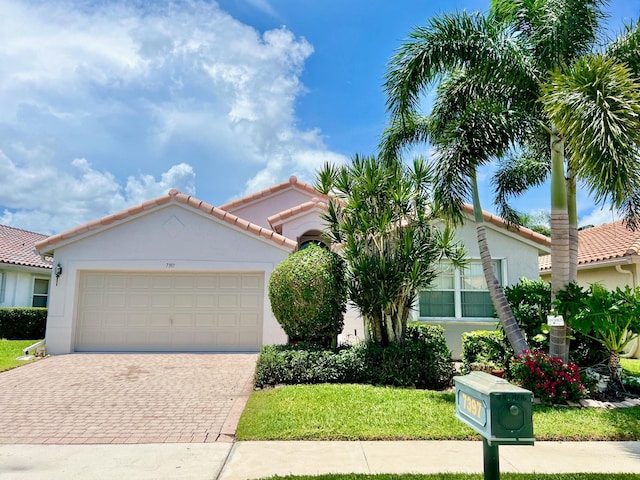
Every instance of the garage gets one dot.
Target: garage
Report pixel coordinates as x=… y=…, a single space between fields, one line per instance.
x=169 y=311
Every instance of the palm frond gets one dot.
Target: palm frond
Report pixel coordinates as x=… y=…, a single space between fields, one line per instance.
x=517 y=174
x=595 y=104
x=626 y=48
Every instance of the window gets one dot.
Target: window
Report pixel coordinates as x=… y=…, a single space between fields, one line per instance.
x=40 y=292
x=459 y=293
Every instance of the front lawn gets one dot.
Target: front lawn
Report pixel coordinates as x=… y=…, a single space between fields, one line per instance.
x=10 y=350
x=364 y=412
x=631 y=366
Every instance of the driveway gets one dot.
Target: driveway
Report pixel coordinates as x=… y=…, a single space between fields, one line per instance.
x=125 y=398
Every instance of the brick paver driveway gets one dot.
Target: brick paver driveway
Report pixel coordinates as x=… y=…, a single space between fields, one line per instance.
x=125 y=398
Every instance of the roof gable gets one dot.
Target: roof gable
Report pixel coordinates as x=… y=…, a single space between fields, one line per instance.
x=292 y=183
x=17 y=247
x=602 y=243
x=49 y=244
x=315 y=204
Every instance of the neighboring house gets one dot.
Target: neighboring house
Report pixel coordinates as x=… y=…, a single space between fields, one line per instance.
x=177 y=274
x=608 y=254
x=24 y=274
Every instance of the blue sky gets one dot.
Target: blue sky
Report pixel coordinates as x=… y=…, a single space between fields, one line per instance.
x=107 y=104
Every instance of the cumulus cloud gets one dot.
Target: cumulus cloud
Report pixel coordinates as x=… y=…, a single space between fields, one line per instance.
x=51 y=201
x=110 y=103
x=599 y=216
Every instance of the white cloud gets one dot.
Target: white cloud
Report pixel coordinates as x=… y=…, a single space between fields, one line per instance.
x=49 y=201
x=102 y=99
x=599 y=216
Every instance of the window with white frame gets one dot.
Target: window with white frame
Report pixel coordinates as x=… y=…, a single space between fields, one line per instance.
x=459 y=292
x=40 y=292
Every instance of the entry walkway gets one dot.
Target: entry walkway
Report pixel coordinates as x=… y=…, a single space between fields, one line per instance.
x=252 y=460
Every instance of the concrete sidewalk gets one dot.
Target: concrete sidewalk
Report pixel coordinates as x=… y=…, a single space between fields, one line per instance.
x=252 y=460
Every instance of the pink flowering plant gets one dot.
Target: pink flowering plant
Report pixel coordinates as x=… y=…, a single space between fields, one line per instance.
x=549 y=378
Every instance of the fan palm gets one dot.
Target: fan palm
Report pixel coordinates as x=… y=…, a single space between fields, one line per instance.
x=533 y=61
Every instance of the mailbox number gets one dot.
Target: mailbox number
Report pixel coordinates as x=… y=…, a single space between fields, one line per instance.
x=471 y=405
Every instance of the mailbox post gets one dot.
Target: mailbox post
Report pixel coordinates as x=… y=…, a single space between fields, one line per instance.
x=497 y=410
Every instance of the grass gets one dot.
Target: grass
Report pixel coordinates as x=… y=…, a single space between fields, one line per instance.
x=465 y=476
x=10 y=350
x=364 y=412
x=631 y=366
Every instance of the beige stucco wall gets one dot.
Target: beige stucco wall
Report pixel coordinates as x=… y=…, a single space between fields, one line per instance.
x=607 y=276
x=171 y=238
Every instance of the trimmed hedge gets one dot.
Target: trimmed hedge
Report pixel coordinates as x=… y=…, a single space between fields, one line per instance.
x=422 y=361
x=487 y=347
x=22 y=323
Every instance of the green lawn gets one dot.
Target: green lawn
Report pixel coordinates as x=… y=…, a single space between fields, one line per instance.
x=631 y=366
x=464 y=476
x=10 y=350
x=363 y=412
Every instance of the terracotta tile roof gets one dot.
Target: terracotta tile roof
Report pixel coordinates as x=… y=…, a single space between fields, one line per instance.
x=292 y=182
x=314 y=203
x=17 y=247
x=522 y=231
x=173 y=196
x=601 y=243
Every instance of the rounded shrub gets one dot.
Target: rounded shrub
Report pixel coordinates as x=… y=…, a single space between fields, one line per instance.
x=308 y=295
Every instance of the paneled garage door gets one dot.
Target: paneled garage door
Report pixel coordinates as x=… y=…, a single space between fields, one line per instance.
x=126 y=311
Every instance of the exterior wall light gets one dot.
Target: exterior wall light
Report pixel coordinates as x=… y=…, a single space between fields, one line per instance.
x=58 y=271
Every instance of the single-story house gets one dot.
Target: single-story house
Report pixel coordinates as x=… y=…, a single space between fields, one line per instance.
x=178 y=274
x=608 y=254
x=24 y=274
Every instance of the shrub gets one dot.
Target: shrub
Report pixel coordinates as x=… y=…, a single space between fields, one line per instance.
x=308 y=295
x=23 y=323
x=487 y=348
x=550 y=379
x=530 y=302
x=422 y=361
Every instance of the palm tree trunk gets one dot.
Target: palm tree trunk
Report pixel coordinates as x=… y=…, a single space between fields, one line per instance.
x=503 y=309
x=560 y=255
x=572 y=210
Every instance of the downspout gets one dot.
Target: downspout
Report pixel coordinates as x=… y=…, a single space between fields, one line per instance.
x=619 y=269
x=633 y=352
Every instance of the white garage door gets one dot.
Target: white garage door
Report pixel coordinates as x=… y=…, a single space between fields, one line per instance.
x=126 y=311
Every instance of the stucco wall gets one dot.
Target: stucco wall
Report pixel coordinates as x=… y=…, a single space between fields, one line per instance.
x=259 y=210
x=171 y=238
x=606 y=276
x=18 y=285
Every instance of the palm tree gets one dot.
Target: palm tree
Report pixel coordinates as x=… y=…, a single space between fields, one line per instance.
x=534 y=61
x=457 y=130
x=381 y=219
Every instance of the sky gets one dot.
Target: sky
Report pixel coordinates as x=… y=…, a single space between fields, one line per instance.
x=106 y=104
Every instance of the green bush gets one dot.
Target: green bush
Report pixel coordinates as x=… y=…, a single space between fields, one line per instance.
x=422 y=361
x=22 y=323
x=530 y=302
x=484 y=348
x=308 y=295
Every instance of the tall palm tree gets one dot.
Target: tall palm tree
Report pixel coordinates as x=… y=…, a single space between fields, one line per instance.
x=457 y=130
x=534 y=60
